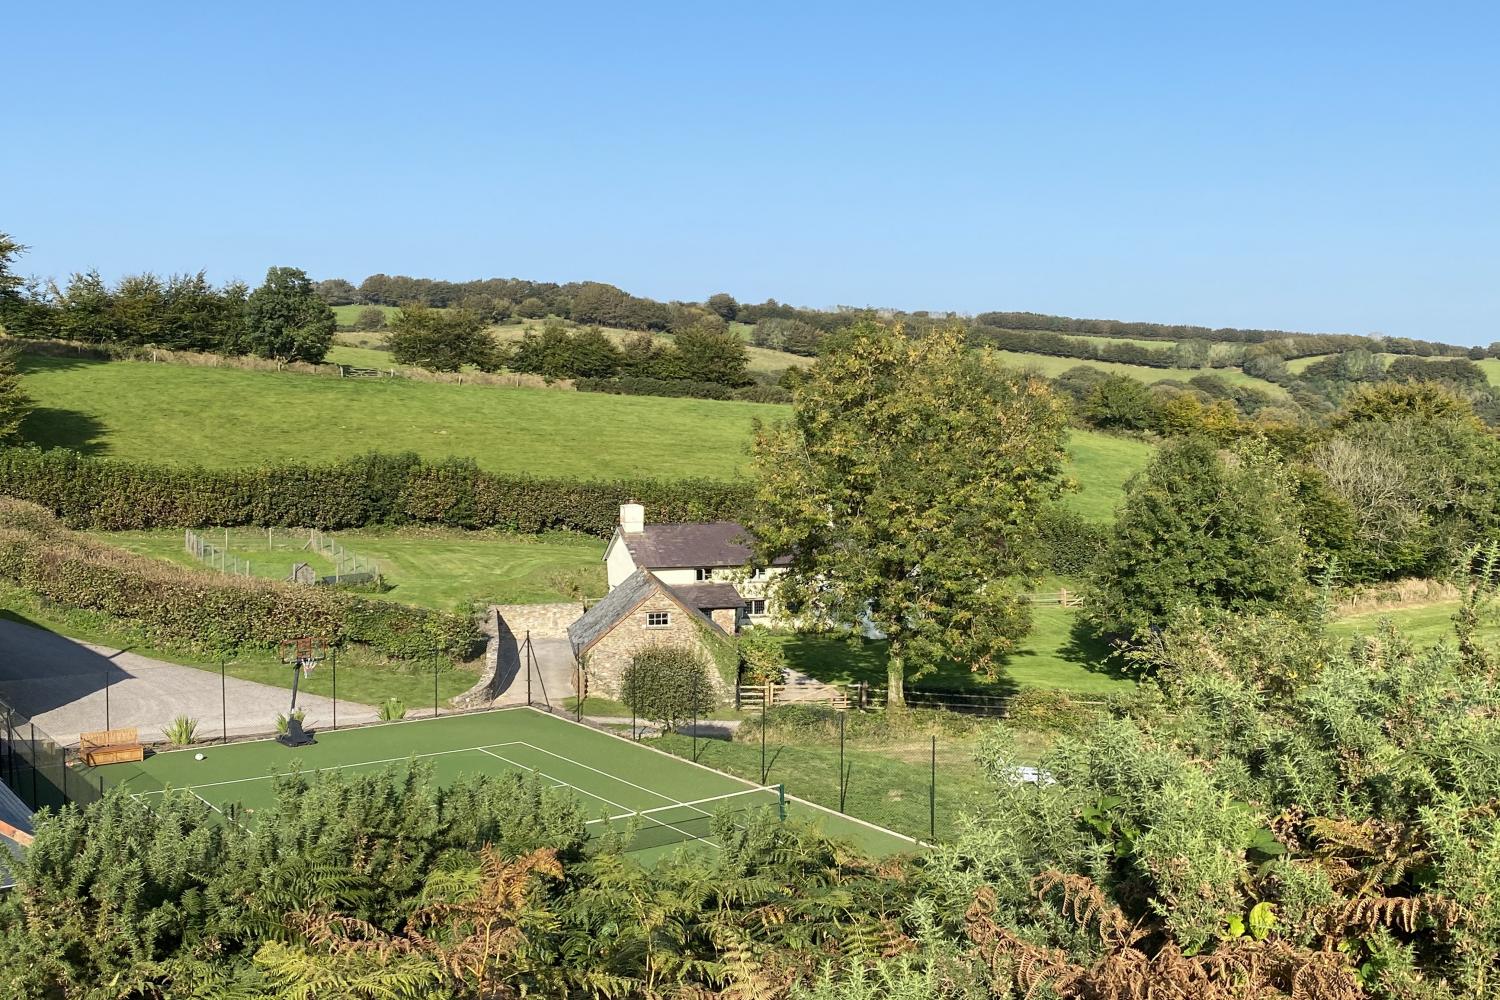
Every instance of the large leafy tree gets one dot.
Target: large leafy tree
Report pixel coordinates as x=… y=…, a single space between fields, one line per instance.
x=709 y=354
x=442 y=340
x=1196 y=531
x=906 y=490
x=286 y=320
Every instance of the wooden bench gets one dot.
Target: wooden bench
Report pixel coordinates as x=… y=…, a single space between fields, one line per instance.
x=110 y=746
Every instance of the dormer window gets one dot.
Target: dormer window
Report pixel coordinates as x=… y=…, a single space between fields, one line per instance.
x=703 y=573
x=758 y=573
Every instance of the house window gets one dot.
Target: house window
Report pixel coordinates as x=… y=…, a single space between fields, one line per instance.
x=758 y=573
x=755 y=607
x=703 y=573
x=658 y=619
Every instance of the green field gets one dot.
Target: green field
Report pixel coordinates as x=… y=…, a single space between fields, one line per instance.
x=624 y=786
x=346 y=315
x=224 y=417
x=1052 y=367
x=228 y=417
x=444 y=569
x=1425 y=624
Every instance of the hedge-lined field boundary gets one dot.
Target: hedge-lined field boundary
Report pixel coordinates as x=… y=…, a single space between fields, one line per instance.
x=249 y=362
x=107 y=495
x=209 y=611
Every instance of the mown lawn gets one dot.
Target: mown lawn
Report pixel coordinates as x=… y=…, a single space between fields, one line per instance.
x=223 y=417
x=443 y=569
x=1056 y=655
x=1425 y=624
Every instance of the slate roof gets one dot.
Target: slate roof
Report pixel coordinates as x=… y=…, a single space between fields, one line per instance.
x=710 y=596
x=619 y=603
x=704 y=543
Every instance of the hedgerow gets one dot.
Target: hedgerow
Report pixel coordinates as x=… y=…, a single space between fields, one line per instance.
x=209 y=611
x=374 y=489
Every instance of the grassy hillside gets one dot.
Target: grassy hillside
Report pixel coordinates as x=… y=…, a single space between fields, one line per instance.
x=346 y=315
x=227 y=417
x=1053 y=367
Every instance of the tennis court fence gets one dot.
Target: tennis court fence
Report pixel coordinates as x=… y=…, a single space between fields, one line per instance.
x=38 y=769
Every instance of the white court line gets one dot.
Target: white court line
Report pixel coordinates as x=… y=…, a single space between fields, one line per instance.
x=359 y=763
x=617 y=805
x=668 y=800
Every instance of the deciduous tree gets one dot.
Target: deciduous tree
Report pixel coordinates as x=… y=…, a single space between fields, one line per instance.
x=286 y=320
x=906 y=490
x=1196 y=532
x=442 y=340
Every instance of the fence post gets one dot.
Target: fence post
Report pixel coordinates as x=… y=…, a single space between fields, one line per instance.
x=333 y=656
x=842 y=783
x=932 y=797
x=527 y=646
x=224 y=697
x=106 y=696
x=35 y=804
x=763 y=739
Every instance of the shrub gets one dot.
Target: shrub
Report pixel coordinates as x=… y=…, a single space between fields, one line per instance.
x=204 y=610
x=181 y=731
x=762 y=657
x=667 y=684
x=283 y=722
x=1071 y=544
x=392 y=709
x=637 y=385
x=370 y=318
x=1047 y=711
x=104 y=495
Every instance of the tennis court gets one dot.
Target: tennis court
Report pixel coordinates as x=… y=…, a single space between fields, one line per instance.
x=621 y=784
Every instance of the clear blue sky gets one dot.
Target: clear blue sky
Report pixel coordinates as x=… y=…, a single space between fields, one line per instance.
x=1329 y=166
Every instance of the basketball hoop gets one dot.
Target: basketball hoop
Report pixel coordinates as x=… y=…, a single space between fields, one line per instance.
x=302 y=655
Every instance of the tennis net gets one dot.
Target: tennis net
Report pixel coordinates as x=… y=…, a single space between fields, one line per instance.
x=701 y=819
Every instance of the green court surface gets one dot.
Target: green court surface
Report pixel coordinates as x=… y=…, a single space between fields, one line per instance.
x=622 y=784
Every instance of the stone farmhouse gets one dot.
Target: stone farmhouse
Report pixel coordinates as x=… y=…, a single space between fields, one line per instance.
x=672 y=584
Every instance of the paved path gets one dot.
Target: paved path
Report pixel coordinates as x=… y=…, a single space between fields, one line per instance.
x=551 y=672
x=59 y=683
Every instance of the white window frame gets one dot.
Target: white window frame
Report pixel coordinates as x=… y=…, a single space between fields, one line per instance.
x=665 y=616
x=703 y=574
x=758 y=573
x=751 y=602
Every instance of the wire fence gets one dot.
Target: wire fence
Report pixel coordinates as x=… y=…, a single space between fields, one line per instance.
x=215 y=556
x=345 y=562
x=43 y=773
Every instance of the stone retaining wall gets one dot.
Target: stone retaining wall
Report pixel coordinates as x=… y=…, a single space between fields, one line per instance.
x=543 y=621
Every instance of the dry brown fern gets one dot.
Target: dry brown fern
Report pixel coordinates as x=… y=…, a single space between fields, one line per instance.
x=1235 y=970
